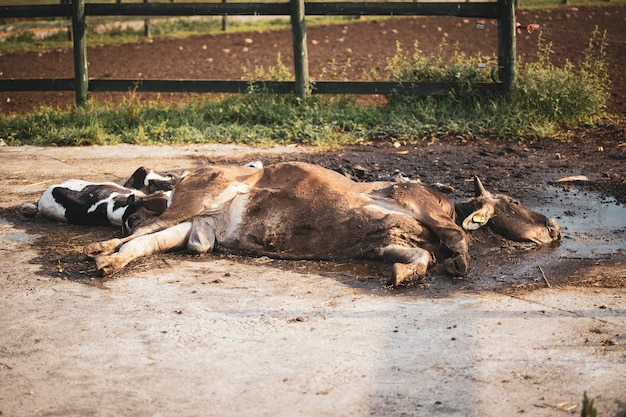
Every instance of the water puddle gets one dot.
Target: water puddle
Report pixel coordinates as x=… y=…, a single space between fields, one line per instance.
x=591 y=225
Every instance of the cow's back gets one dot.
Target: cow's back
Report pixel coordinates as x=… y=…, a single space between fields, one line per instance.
x=297 y=210
x=202 y=192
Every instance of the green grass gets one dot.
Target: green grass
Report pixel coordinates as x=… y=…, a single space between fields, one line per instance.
x=589 y=409
x=546 y=100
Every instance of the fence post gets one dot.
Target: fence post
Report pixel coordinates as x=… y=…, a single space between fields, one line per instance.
x=80 y=51
x=300 y=54
x=224 y=18
x=146 y=24
x=507 y=49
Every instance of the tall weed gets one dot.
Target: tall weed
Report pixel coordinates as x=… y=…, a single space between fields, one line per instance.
x=460 y=70
x=565 y=95
x=546 y=97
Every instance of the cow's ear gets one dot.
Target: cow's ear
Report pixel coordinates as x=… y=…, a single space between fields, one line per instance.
x=156 y=203
x=478 y=218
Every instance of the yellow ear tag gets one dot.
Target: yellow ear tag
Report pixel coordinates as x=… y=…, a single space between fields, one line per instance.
x=479 y=218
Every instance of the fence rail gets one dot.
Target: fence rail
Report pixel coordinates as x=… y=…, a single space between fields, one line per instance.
x=236 y=86
x=77 y=10
x=487 y=10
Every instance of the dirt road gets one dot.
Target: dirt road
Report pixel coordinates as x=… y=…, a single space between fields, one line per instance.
x=229 y=336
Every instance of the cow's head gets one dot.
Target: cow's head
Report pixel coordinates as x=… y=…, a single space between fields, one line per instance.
x=507 y=217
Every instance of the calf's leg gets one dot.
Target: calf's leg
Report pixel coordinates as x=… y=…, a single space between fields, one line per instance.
x=409 y=263
x=171 y=238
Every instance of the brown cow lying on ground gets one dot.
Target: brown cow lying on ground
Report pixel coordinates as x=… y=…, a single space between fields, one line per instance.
x=303 y=211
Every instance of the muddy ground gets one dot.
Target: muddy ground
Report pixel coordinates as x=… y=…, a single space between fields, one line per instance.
x=527 y=172
x=528 y=331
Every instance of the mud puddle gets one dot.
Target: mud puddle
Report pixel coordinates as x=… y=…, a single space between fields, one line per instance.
x=592 y=225
x=592 y=251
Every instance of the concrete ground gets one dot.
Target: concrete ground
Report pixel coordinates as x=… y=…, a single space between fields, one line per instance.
x=219 y=336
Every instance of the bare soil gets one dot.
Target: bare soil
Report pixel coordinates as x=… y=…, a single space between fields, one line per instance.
x=365 y=45
x=227 y=335
x=528 y=331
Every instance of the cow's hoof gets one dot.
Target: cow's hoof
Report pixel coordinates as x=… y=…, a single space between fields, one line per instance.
x=29 y=210
x=101 y=248
x=458 y=265
x=404 y=272
x=104 y=265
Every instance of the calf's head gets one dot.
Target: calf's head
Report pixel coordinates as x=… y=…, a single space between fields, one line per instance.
x=138 y=211
x=149 y=181
x=507 y=217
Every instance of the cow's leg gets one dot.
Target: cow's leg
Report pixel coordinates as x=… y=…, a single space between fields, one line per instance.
x=438 y=216
x=409 y=263
x=103 y=248
x=455 y=239
x=108 y=246
x=458 y=264
x=202 y=235
x=172 y=238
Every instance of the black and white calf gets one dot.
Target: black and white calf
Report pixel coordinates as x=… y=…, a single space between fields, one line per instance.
x=145 y=194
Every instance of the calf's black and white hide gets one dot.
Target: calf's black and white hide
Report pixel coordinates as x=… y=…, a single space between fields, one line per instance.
x=149 y=181
x=145 y=194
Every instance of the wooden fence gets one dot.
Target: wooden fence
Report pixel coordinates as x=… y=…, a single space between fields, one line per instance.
x=502 y=10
